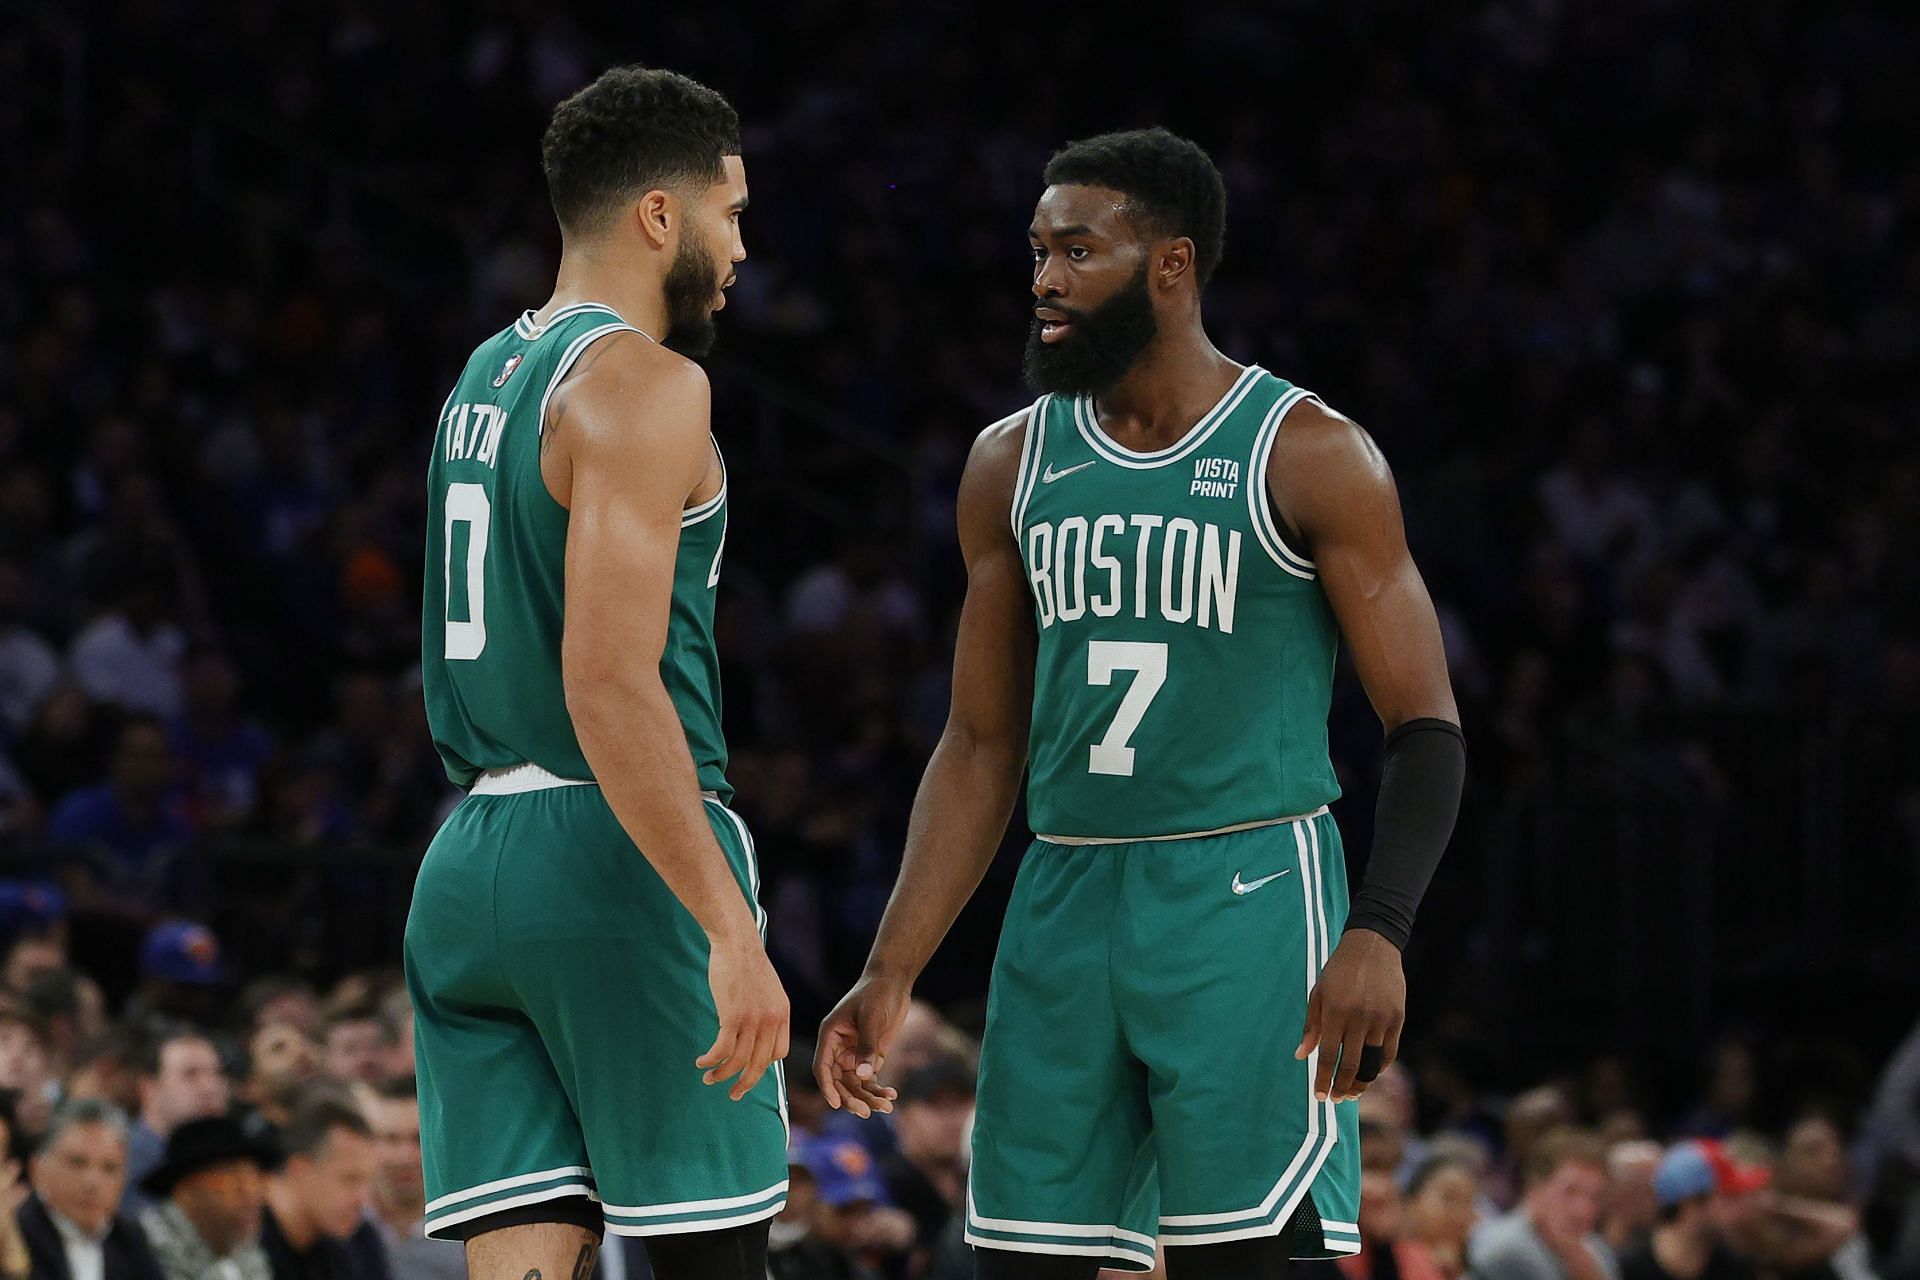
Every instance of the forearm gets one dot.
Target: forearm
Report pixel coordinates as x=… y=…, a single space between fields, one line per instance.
x=1420 y=785
x=958 y=819
x=634 y=742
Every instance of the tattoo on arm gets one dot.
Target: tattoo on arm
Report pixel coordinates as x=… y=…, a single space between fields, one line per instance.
x=583 y=1265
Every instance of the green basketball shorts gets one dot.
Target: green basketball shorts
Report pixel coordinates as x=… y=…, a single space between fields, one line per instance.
x=560 y=998
x=1137 y=1082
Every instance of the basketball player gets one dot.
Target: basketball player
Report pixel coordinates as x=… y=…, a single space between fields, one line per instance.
x=1162 y=554
x=598 y=1025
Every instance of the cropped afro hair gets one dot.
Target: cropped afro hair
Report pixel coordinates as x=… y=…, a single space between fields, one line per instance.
x=1170 y=184
x=629 y=132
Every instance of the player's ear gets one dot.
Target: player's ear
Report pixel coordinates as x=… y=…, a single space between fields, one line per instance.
x=1175 y=261
x=655 y=213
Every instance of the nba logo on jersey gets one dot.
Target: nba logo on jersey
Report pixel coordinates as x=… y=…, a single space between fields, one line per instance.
x=506 y=370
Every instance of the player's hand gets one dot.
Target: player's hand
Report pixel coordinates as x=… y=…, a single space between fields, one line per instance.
x=1355 y=1014
x=854 y=1040
x=753 y=1014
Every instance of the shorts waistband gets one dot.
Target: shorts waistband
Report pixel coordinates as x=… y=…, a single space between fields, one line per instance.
x=515 y=779
x=518 y=778
x=1184 y=835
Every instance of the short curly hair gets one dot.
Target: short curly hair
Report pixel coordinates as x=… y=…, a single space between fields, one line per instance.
x=630 y=131
x=1169 y=182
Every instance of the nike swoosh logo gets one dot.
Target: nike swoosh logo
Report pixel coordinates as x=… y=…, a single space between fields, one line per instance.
x=1050 y=475
x=1244 y=889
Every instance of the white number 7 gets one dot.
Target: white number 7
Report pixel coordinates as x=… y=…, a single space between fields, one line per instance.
x=1112 y=755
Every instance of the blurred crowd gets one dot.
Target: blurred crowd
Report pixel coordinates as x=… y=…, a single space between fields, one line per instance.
x=1629 y=290
x=268 y=1130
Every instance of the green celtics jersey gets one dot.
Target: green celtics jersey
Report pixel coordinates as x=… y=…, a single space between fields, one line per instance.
x=1186 y=653
x=495 y=572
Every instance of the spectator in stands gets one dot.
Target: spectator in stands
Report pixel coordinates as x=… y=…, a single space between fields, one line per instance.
x=355 y=1044
x=1529 y=1116
x=282 y=1060
x=72 y=1222
x=1552 y=1235
x=1812 y=1228
x=316 y=1224
x=33 y=918
x=396 y=1017
x=1384 y=1252
x=1732 y=1086
x=132 y=816
x=794 y=1252
x=130 y=656
x=16 y=1260
x=29 y=666
x=850 y=1213
x=1698 y=1186
x=1440 y=1213
x=73 y=1009
x=1632 y=1207
x=210 y=1197
x=392 y=1109
x=926 y=1173
x=26 y=1069
x=181 y=974
x=279 y=998
x=222 y=753
x=180 y=1079
x=109 y=1070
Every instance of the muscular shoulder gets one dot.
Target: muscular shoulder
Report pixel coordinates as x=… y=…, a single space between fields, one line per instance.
x=993 y=467
x=1324 y=464
x=632 y=414
x=624 y=375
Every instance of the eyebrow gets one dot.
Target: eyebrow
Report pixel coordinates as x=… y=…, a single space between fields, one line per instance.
x=1077 y=229
x=739 y=205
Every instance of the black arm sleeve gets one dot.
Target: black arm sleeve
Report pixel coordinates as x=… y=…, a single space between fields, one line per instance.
x=1420 y=782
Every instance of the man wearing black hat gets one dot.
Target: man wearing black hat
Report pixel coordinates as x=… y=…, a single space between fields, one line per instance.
x=211 y=1193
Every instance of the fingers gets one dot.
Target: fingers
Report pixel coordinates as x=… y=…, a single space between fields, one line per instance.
x=755 y=1063
x=1310 y=1040
x=864 y=1097
x=1333 y=1035
x=721 y=1051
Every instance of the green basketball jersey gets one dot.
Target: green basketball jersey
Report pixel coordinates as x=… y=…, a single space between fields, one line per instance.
x=1185 y=663
x=495 y=572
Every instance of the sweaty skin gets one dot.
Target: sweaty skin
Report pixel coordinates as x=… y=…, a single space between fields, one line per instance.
x=1331 y=487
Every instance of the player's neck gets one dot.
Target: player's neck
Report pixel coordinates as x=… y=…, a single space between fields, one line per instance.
x=592 y=275
x=1170 y=387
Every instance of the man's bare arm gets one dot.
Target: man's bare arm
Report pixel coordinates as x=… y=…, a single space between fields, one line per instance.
x=1334 y=490
x=960 y=812
x=634 y=432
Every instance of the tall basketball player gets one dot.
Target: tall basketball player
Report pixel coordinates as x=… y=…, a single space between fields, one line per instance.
x=598 y=1025
x=1162 y=555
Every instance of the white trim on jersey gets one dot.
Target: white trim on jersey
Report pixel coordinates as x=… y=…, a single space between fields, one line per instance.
x=1266 y=527
x=694 y=515
x=571 y=354
x=1108 y=448
x=1032 y=445
x=527 y=329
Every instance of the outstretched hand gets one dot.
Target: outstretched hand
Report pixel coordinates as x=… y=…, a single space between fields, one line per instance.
x=1354 y=1015
x=854 y=1040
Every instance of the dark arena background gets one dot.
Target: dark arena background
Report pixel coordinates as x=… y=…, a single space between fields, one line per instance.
x=1627 y=290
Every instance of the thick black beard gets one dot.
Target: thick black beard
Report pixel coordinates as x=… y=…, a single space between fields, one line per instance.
x=689 y=292
x=1099 y=349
